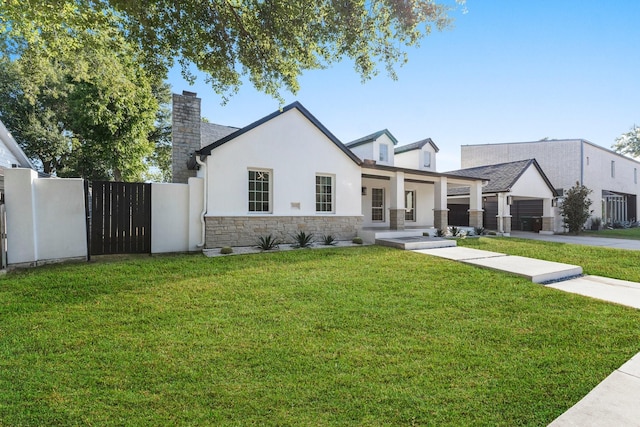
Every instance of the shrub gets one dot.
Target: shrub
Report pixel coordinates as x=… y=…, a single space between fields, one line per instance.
x=455 y=231
x=479 y=231
x=226 y=250
x=575 y=208
x=303 y=240
x=596 y=223
x=440 y=233
x=328 y=240
x=267 y=243
x=357 y=240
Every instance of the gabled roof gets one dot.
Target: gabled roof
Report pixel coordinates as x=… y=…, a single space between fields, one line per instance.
x=13 y=146
x=371 y=138
x=416 y=146
x=206 y=151
x=502 y=176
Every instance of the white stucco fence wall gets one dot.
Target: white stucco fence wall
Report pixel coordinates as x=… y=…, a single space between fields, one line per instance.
x=175 y=216
x=46 y=218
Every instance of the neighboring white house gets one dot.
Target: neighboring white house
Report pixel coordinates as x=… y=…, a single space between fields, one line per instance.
x=287 y=173
x=612 y=177
x=519 y=196
x=11 y=155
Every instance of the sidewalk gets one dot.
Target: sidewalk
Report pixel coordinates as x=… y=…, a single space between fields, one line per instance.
x=616 y=400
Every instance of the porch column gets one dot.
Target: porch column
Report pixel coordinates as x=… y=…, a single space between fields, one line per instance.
x=548 y=218
x=397 y=209
x=440 y=211
x=475 y=205
x=504 y=215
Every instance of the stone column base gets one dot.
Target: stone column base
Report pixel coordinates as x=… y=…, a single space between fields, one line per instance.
x=547 y=224
x=396 y=219
x=441 y=219
x=506 y=222
x=475 y=218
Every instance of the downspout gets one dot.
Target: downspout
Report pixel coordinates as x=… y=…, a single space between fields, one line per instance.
x=204 y=200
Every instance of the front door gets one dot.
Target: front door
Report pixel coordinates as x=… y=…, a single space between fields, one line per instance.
x=377 y=204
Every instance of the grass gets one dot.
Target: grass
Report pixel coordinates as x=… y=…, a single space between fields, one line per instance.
x=618 y=233
x=364 y=336
x=608 y=262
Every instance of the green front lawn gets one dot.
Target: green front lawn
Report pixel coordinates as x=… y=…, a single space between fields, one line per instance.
x=618 y=233
x=351 y=336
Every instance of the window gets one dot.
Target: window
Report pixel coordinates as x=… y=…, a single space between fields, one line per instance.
x=613 y=169
x=377 y=204
x=384 y=153
x=410 y=205
x=427 y=159
x=635 y=175
x=259 y=191
x=324 y=193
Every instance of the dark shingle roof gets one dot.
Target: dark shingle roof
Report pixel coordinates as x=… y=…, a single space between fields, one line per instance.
x=205 y=151
x=416 y=146
x=211 y=132
x=501 y=176
x=372 y=137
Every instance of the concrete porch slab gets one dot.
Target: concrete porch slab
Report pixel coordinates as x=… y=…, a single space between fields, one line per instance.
x=415 y=242
x=604 y=288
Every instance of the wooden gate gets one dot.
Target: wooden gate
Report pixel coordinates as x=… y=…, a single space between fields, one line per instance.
x=120 y=218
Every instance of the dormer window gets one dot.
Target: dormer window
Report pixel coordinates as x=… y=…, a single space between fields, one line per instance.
x=427 y=159
x=384 y=153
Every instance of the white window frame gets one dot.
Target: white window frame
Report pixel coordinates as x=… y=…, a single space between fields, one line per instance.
x=320 y=194
x=269 y=191
x=380 y=208
x=412 y=217
x=426 y=162
x=383 y=148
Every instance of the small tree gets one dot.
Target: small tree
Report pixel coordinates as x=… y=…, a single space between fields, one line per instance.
x=575 y=208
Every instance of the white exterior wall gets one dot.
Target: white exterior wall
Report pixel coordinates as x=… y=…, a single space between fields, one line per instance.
x=425 y=196
x=383 y=140
x=364 y=151
x=560 y=160
x=175 y=216
x=531 y=185
x=46 y=218
x=414 y=159
x=295 y=151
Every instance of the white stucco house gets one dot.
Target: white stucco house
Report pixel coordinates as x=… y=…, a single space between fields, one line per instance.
x=11 y=155
x=287 y=173
x=612 y=177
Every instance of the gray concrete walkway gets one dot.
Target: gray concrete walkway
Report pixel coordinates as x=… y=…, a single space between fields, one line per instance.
x=616 y=400
x=632 y=245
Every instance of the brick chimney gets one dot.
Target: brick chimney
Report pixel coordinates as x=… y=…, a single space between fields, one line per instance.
x=185 y=134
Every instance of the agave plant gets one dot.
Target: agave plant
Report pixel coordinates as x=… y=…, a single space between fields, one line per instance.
x=267 y=243
x=328 y=240
x=303 y=240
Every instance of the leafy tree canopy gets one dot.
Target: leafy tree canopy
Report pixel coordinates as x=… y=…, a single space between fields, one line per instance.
x=271 y=42
x=629 y=142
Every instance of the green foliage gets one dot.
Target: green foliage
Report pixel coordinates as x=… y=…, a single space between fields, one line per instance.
x=351 y=336
x=328 y=240
x=575 y=208
x=303 y=240
x=267 y=243
x=629 y=143
x=479 y=231
x=440 y=233
x=357 y=240
x=226 y=250
x=455 y=231
x=272 y=43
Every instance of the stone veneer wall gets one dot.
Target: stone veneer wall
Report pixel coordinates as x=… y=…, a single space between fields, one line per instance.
x=185 y=134
x=245 y=230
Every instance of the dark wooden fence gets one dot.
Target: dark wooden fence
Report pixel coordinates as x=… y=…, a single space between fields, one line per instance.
x=120 y=218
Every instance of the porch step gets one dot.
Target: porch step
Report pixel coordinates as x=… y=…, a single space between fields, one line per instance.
x=411 y=243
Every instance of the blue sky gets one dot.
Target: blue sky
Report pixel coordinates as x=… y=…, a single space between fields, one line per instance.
x=508 y=70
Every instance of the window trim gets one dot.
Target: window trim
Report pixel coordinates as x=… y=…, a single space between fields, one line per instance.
x=380 y=208
x=269 y=191
x=332 y=194
x=413 y=210
x=426 y=155
x=613 y=168
x=386 y=151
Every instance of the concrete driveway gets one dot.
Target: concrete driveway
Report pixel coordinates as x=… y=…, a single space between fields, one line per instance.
x=628 y=244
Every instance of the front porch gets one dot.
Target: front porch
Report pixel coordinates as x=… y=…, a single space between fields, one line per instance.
x=408 y=239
